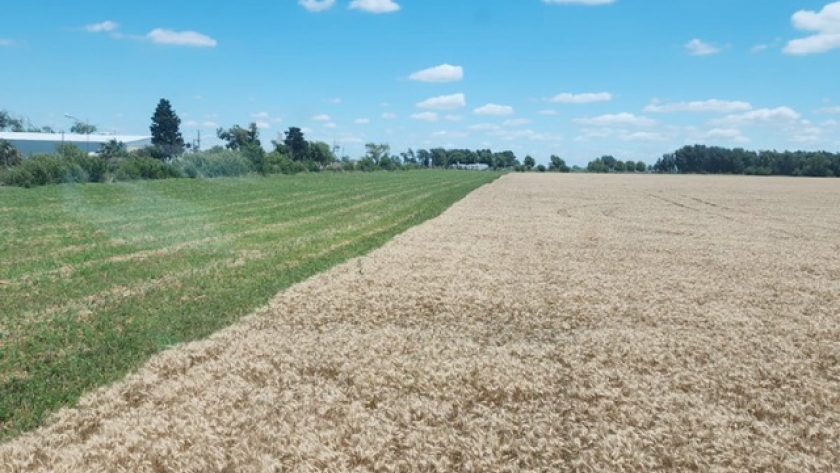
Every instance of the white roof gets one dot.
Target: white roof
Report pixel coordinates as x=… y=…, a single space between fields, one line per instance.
x=70 y=137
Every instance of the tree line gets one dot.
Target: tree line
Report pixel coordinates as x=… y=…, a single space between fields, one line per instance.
x=701 y=159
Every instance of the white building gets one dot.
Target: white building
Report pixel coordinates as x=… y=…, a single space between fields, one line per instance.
x=37 y=143
x=471 y=167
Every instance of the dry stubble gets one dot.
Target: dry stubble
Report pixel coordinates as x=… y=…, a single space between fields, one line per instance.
x=544 y=323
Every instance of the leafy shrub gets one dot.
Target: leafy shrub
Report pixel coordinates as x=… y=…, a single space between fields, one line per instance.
x=44 y=169
x=214 y=164
x=95 y=167
x=143 y=167
x=9 y=155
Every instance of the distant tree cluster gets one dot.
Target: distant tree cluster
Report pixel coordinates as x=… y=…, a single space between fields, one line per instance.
x=701 y=159
x=610 y=164
x=444 y=158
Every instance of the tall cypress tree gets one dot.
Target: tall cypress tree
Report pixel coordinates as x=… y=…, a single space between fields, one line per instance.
x=166 y=136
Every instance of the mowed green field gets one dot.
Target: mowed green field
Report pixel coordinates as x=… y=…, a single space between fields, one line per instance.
x=94 y=279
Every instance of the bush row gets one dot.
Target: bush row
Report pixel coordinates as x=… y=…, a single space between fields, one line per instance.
x=70 y=164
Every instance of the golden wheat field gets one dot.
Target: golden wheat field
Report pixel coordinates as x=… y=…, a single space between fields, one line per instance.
x=543 y=323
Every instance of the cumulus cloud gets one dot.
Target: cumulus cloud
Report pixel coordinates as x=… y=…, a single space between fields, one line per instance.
x=760 y=116
x=485 y=127
x=699 y=48
x=388 y=116
x=516 y=122
x=494 y=109
x=426 y=116
x=442 y=73
x=321 y=118
x=727 y=134
x=581 y=98
x=826 y=25
x=642 y=136
x=105 y=26
x=260 y=115
x=834 y=109
x=180 y=38
x=451 y=134
x=618 y=119
x=444 y=102
x=700 y=106
x=375 y=6
x=548 y=112
x=317 y=5
x=362 y=121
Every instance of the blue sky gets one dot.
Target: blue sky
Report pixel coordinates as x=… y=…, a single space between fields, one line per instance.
x=577 y=78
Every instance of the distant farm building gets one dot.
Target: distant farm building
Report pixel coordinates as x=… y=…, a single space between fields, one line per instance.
x=38 y=143
x=471 y=167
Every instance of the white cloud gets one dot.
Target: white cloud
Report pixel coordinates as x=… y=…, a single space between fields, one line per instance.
x=190 y=124
x=330 y=125
x=388 y=116
x=834 y=109
x=210 y=124
x=826 y=24
x=317 y=5
x=485 y=127
x=758 y=48
x=516 y=122
x=730 y=135
x=375 y=6
x=263 y=125
x=442 y=73
x=334 y=100
x=700 y=106
x=494 y=109
x=180 y=38
x=642 y=136
x=454 y=118
x=763 y=115
x=6 y=42
x=105 y=26
x=452 y=134
x=444 y=102
x=362 y=121
x=426 y=116
x=581 y=98
x=581 y=2
x=548 y=112
x=700 y=48
x=260 y=115
x=619 y=119
x=322 y=118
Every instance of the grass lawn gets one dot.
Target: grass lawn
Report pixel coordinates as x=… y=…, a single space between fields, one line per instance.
x=94 y=279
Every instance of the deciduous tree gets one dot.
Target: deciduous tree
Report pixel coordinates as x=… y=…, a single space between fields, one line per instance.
x=296 y=145
x=9 y=155
x=529 y=162
x=83 y=128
